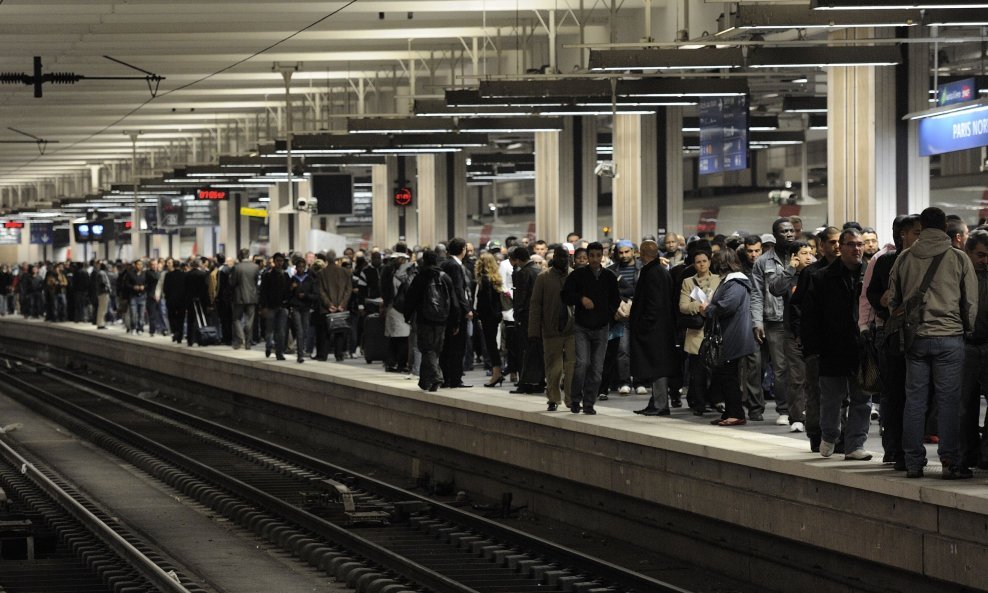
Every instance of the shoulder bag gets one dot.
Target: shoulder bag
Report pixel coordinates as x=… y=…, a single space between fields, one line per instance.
x=904 y=321
x=711 y=348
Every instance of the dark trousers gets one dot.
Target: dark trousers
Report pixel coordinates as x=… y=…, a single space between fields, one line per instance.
x=300 y=323
x=430 y=339
x=398 y=354
x=451 y=359
x=974 y=383
x=489 y=327
x=176 y=320
x=893 y=402
x=326 y=340
x=724 y=380
x=225 y=311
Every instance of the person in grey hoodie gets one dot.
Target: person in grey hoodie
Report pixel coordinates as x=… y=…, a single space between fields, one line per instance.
x=936 y=356
x=730 y=304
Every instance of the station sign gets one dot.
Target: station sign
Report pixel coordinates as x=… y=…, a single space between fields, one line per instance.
x=956 y=92
x=212 y=194
x=254 y=212
x=723 y=134
x=13 y=224
x=42 y=233
x=950 y=132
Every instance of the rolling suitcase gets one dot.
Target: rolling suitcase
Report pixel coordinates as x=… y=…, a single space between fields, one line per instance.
x=206 y=335
x=374 y=344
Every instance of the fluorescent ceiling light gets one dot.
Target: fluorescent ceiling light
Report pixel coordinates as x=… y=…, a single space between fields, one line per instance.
x=776 y=17
x=894 y=4
x=407 y=150
x=402 y=125
x=665 y=59
x=977 y=105
x=804 y=57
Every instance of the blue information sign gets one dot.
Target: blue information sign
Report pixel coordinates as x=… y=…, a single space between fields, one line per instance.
x=723 y=134
x=42 y=233
x=956 y=92
x=954 y=131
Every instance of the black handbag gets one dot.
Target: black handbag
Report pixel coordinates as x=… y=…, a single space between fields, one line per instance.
x=711 y=348
x=338 y=322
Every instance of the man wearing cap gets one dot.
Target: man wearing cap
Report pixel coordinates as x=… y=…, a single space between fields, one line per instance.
x=767 y=309
x=626 y=268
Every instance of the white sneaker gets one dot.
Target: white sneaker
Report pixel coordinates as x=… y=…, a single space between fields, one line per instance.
x=641 y=390
x=826 y=449
x=783 y=420
x=625 y=389
x=797 y=427
x=857 y=455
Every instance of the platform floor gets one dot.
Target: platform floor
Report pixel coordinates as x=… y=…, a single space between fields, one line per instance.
x=929 y=526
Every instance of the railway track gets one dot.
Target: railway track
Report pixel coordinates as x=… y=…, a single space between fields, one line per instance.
x=374 y=536
x=53 y=539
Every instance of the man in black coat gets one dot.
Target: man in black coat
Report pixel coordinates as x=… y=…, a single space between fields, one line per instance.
x=455 y=340
x=532 y=378
x=593 y=292
x=829 y=329
x=653 y=329
x=196 y=292
x=430 y=334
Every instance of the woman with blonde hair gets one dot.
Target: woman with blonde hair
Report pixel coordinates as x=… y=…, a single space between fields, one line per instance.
x=487 y=308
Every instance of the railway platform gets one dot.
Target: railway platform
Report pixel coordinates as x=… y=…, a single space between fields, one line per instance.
x=662 y=470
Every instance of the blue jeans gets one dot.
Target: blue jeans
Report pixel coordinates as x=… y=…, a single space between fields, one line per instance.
x=137 y=307
x=833 y=390
x=277 y=330
x=590 y=346
x=939 y=360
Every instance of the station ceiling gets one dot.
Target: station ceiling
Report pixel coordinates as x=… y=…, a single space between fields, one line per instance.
x=220 y=59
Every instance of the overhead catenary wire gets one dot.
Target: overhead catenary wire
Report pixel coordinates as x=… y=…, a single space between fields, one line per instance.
x=183 y=87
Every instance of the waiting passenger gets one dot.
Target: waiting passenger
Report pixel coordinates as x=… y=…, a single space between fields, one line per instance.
x=429 y=302
x=550 y=321
x=652 y=327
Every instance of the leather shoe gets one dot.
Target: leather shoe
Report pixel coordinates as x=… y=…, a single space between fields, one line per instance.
x=956 y=472
x=646 y=411
x=756 y=417
x=463 y=385
x=434 y=387
x=552 y=407
x=656 y=412
x=575 y=409
x=589 y=411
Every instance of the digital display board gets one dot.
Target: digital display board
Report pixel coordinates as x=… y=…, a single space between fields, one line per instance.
x=95 y=231
x=723 y=134
x=333 y=192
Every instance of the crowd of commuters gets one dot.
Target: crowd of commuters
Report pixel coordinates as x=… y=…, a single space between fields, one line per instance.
x=814 y=321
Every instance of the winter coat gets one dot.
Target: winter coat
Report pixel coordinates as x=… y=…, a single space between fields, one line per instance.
x=829 y=326
x=653 y=325
x=548 y=316
x=953 y=292
x=243 y=281
x=688 y=306
x=601 y=289
x=730 y=304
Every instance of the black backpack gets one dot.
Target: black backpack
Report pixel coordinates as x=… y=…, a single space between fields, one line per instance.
x=435 y=300
x=404 y=279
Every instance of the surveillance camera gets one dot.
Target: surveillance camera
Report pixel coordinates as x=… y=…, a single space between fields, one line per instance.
x=605 y=169
x=306 y=204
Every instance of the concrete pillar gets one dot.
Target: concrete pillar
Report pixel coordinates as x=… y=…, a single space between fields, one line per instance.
x=278 y=222
x=302 y=221
x=914 y=170
x=94 y=178
x=458 y=193
x=861 y=147
x=670 y=173
x=138 y=240
x=554 y=183
x=384 y=229
x=635 y=207
x=585 y=193
x=433 y=199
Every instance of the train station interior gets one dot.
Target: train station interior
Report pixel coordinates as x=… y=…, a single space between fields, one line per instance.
x=147 y=129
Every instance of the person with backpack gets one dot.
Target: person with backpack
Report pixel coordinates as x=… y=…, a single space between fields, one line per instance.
x=396 y=330
x=429 y=302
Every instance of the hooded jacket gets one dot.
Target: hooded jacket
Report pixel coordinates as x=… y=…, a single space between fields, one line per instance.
x=952 y=299
x=730 y=305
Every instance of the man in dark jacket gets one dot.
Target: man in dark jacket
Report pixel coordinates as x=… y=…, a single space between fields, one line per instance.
x=652 y=326
x=175 y=301
x=273 y=298
x=304 y=298
x=430 y=333
x=829 y=329
x=593 y=291
x=529 y=352
x=243 y=283
x=81 y=287
x=455 y=344
x=197 y=294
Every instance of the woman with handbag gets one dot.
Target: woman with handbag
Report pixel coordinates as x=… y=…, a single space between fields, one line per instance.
x=488 y=307
x=690 y=318
x=728 y=335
